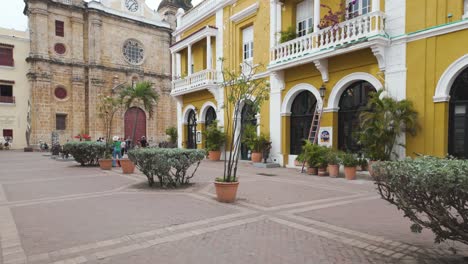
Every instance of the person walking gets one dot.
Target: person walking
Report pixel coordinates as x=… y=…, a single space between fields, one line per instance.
x=117 y=152
x=143 y=142
x=123 y=147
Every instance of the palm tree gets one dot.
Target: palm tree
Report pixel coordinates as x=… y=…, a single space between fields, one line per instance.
x=142 y=94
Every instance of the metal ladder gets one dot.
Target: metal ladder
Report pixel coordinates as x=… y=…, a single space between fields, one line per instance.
x=314 y=128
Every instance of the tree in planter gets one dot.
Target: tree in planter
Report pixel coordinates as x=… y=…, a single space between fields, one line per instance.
x=215 y=139
x=432 y=193
x=142 y=94
x=107 y=107
x=239 y=88
x=382 y=123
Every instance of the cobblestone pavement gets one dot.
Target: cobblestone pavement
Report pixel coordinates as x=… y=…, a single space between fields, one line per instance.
x=57 y=212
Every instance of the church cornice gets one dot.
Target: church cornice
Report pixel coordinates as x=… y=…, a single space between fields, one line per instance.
x=100 y=67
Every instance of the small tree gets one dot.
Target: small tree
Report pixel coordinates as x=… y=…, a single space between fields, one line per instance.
x=384 y=120
x=239 y=87
x=143 y=95
x=107 y=107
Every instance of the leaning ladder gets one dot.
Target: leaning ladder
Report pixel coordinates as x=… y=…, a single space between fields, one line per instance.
x=314 y=128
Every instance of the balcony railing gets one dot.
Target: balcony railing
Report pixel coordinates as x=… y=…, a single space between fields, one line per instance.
x=7 y=99
x=345 y=33
x=198 y=11
x=194 y=81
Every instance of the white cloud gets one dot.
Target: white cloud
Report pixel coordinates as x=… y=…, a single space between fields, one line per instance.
x=11 y=13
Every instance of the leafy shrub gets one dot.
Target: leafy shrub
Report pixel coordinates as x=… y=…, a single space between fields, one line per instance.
x=87 y=153
x=254 y=142
x=333 y=157
x=172 y=133
x=315 y=155
x=288 y=35
x=215 y=137
x=349 y=160
x=170 y=166
x=432 y=193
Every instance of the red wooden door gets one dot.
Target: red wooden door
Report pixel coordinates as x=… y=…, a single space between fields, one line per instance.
x=133 y=115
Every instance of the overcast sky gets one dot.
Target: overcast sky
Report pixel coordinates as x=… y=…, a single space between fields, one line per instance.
x=11 y=13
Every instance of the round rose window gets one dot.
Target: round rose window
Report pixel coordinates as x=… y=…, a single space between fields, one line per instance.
x=60 y=93
x=133 y=51
x=60 y=48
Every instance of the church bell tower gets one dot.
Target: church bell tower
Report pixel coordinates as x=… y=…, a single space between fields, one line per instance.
x=168 y=9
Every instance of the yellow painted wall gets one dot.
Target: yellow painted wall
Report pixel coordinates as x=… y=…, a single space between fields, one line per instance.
x=339 y=67
x=427 y=59
x=210 y=21
x=421 y=14
x=197 y=99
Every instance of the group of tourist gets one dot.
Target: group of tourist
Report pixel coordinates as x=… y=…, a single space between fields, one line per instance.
x=121 y=147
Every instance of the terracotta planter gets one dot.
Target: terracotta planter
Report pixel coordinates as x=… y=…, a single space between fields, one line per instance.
x=322 y=172
x=214 y=155
x=128 y=167
x=226 y=191
x=369 y=167
x=334 y=170
x=105 y=164
x=312 y=171
x=350 y=173
x=256 y=157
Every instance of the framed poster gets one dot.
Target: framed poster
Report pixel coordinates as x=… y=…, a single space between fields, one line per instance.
x=199 y=137
x=326 y=136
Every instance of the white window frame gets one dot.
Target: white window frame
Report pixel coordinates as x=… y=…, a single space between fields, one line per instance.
x=358 y=9
x=304 y=18
x=465 y=9
x=247 y=44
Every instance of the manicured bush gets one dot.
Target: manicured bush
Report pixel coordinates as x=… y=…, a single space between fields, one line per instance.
x=170 y=166
x=87 y=153
x=349 y=160
x=432 y=193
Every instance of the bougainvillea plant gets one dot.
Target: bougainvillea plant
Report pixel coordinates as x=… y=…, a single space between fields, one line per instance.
x=333 y=18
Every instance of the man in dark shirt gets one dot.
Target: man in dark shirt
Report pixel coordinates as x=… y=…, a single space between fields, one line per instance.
x=143 y=142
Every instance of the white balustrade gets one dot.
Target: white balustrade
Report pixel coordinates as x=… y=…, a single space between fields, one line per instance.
x=196 y=80
x=199 y=10
x=344 y=33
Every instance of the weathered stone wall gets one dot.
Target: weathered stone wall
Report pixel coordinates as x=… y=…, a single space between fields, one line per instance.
x=93 y=64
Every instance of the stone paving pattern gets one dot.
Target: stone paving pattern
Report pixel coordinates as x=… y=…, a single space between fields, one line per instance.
x=58 y=212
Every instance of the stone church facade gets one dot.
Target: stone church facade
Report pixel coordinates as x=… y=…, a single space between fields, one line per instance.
x=82 y=50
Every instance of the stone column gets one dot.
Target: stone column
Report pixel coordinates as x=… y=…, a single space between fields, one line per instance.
x=273 y=22
x=180 y=121
x=95 y=41
x=189 y=60
x=277 y=86
x=317 y=15
x=173 y=61
x=77 y=38
x=39 y=21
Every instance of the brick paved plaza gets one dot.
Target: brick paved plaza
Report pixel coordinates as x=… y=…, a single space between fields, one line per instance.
x=57 y=212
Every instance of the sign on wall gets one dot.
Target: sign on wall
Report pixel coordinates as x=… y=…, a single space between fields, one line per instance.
x=199 y=137
x=325 y=136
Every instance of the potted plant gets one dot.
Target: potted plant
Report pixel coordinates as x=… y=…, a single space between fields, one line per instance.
x=311 y=156
x=333 y=161
x=105 y=162
x=239 y=87
x=349 y=162
x=288 y=35
x=128 y=167
x=322 y=160
x=299 y=160
x=255 y=143
x=215 y=139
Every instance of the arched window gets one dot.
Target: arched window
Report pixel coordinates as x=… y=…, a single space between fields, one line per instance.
x=352 y=102
x=302 y=112
x=248 y=116
x=210 y=116
x=192 y=130
x=458 y=120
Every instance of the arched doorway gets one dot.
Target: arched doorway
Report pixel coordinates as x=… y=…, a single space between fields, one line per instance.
x=135 y=116
x=302 y=111
x=458 y=116
x=191 y=130
x=352 y=102
x=248 y=116
x=210 y=116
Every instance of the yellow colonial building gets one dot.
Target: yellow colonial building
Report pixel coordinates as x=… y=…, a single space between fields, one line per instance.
x=403 y=47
